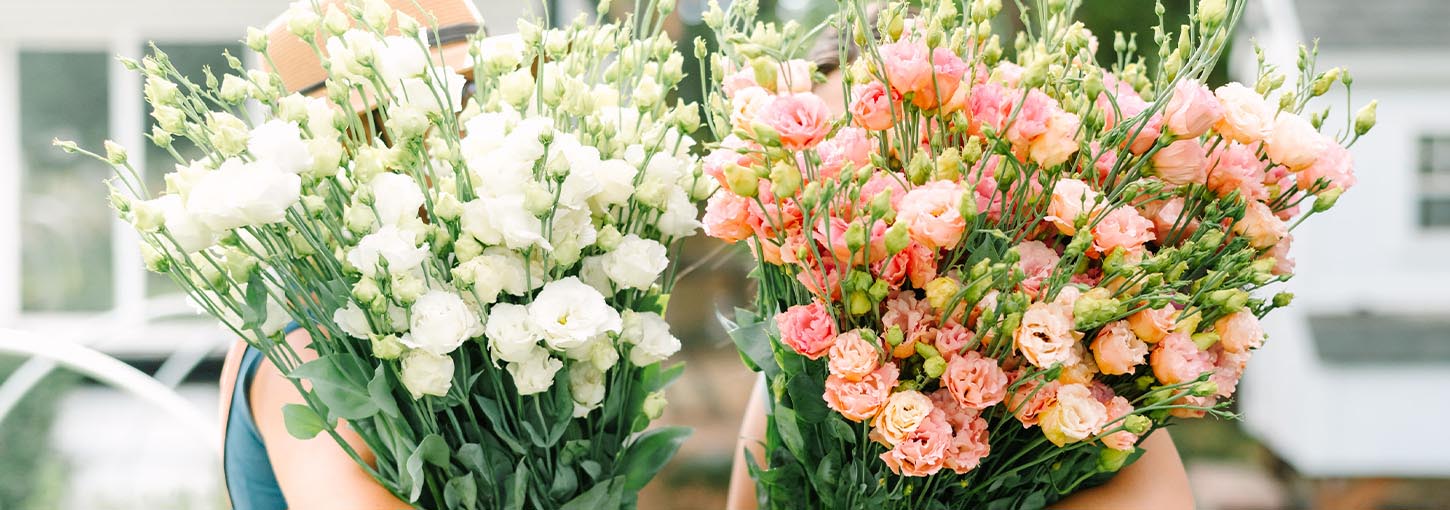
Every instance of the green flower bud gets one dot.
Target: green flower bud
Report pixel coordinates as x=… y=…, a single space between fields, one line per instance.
x=1326 y=199
x=386 y=346
x=881 y=205
x=1095 y=308
x=654 y=405
x=926 y=351
x=1205 y=389
x=948 y=165
x=765 y=72
x=919 y=169
x=1205 y=340
x=1321 y=84
x=856 y=236
x=785 y=180
x=933 y=367
x=878 y=291
x=1137 y=424
x=1364 y=120
x=466 y=248
x=1212 y=12
x=741 y=180
x=894 y=336
x=858 y=303
x=897 y=237
x=1110 y=460
x=1283 y=299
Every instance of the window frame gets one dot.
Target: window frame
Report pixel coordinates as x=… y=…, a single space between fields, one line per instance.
x=1432 y=176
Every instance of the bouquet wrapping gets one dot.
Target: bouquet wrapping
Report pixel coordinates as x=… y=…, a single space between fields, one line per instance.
x=991 y=272
x=482 y=275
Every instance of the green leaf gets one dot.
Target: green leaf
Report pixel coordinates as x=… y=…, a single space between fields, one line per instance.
x=472 y=457
x=434 y=450
x=596 y=497
x=665 y=376
x=461 y=492
x=301 y=421
x=841 y=430
x=255 y=313
x=339 y=381
x=648 y=454
x=656 y=303
x=565 y=483
x=518 y=483
x=496 y=421
x=752 y=339
x=381 y=393
x=413 y=471
x=789 y=430
x=806 y=395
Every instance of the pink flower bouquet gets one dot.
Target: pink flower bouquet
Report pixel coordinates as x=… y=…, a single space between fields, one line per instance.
x=987 y=279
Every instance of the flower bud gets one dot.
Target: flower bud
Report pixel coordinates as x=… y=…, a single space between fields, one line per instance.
x=608 y=238
x=1364 y=120
x=1205 y=340
x=881 y=205
x=741 y=180
x=335 y=22
x=858 y=303
x=894 y=336
x=654 y=405
x=256 y=40
x=764 y=69
x=1326 y=199
x=366 y=291
x=406 y=288
x=1212 y=12
x=386 y=346
x=934 y=366
x=785 y=180
x=1205 y=389
x=919 y=169
x=878 y=291
x=941 y=291
x=115 y=153
x=1110 y=460
x=466 y=248
x=1095 y=308
x=1283 y=299
x=897 y=237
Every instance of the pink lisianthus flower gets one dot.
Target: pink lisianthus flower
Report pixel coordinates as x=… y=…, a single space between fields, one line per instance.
x=907 y=66
x=1070 y=198
x=874 y=107
x=1121 y=440
x=1283 y=263
x=1192 y=110
x=1076 y=415
x=861 y=400
x=951 y=338
x=975 y=381
x=1177 y=359
x=989 y=105
x=1117 y=350
x=932 y=213
x=943 y=81
x=899 y=418
x=852 y=358
x=747 y=105
x=1181 y=163
x=1031 y=118
x=850 y=145
x=1262 y=228
x=1037 y=262
x=1294 y=142
x=1046 y=335
x=915 y=318
x=1122 y=228
x=915 y=263
x=1031 y=398
x=1247 y=117
x=1235 y=167
x=1125 y=105
x=807 y=329
x=1239 y=332
x=1152 y=324
x=1334 y=164
x=1228 y=368
x=802 y=120
x=924 y=451
x=727 y=217
x=1059 y=142
x=1168 y=217
x=969 y=439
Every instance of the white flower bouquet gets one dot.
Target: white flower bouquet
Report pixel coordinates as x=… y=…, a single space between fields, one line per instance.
x=483 y=275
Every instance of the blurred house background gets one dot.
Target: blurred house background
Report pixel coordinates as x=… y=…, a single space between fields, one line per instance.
x=1344 y=408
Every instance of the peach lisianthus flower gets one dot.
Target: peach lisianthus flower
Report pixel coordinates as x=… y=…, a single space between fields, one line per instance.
x=1177 y=359
x=1117 y=350
x=746 y=105
x=1046 y=335
x=1334 y=164
x=727 y=217
x=1167 y=218
x=861 y=400
x=1122 y=228
x=975 y=381
x=1082 y=369
x=1294 y=142
x=932 y=213
x=907 y=64
x=1262 y=228
x=850 y=145
x=915 y=318
x=1031 y=398
x=989 y=105
x=1228 y=368
x=903 y=413
x=1123 y=105
x=802 y=120
x=1076 y=415
x=943 y=80
x=1152 y=324
x=1031 y=118
x=1192 y=110
x=1121 y=440
x=1181 y=163
x=951 y=338
x=923 y=452
x=1058 y=142
x=1239 y=331
x=1037 y=262
x=1283 y=263
x=1247 y=116
x=853 y=358
x=1070 y=198
x=1235 y=167
x=874 y=107
x=808 y=329
x=969 y=444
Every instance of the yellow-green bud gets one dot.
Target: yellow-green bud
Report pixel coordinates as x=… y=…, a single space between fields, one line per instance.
x=856 y=236
x=858 y=303
x=897 y=237
x=933 y=367
x=115 y=153
x=1212 y=12
x=1205 y=389
x=949 y=165
x=894 y=336
x=1095 y=308
x=785 y=180
x=881 y=205
x=920 y=168
x=1283 y=299
x=386 y=346
x=1322 y=83
x=741 y=180
x=1326 y=199
x=941 y=291
x=878 y=291
x=466 y=248
x=765 y=72
x=256 y=39
x=1110 y=460
x=654 y=405
x=926 y=351
x=1364 y=120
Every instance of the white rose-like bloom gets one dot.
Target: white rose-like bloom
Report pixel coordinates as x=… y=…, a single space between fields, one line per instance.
x=516 y=87
x=679 y=219
x=440 y=322
x=510 y=336
x=535 y=375
x=353 y=321
x=525 y=137
x=1076 y=416
x=661 y=178
x=586 y=387
x=499 y=270
x=322 y=118
x=397 y=246
x=280 y=142
x=616 y=179
x=501 y=52
x=636 y=263
x=243 y=194
x=503 y=220
x=396 y=198
x=486 y=132
x=599 y=353
x=591 y=272
x=573 y=230
x=651 y=337
x=418 y=92
x=425 y=373
x=190 y=235
x=402 y=57
x=348 y=52
x=569 y=313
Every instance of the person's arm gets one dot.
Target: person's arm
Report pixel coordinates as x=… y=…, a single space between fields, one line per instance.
x=1156 y=481
x=752 y=437
x=314 y=474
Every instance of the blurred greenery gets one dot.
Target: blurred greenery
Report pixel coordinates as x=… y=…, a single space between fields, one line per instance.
x=31 y=475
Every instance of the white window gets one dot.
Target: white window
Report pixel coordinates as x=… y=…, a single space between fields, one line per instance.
x=1434 y=175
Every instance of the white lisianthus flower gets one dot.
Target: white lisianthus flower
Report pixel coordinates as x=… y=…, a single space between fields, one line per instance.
x=433 y=98
x=535 y=375
x=636 y=263
x=322 y=118
x=495 y=271
x=351 y=53
x=679 y=219
x=651 y=337
x=228 y=133
x=243 y=194
x=353 y=321
x=486 y=132
x=569 y=314
x=302 y=18
x=503 y=220
x=573 y=230
x=425 y=373
x=516 y=87
x=661 y=178
x=440 y=322
x=510 y=335
x=398 y=247
x=501 y=52
x=190 y=235
x=402 y=57
x=326 y=156
x=280 y=142
x=396 y=198
x=616 y=179
x=591 y=272
x=599 y=352
x=586 y=387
